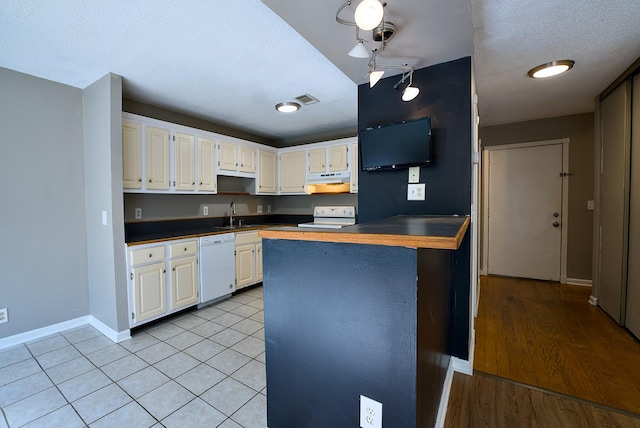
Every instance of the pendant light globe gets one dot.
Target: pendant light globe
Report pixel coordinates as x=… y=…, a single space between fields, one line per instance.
x=369 y=14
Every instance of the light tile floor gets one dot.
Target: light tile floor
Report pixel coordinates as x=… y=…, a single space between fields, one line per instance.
x=204 y=368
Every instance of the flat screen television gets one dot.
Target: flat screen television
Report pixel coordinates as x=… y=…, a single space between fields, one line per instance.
x=396 y=146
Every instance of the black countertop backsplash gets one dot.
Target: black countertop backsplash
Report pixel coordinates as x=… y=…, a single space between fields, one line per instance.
x=169 y=229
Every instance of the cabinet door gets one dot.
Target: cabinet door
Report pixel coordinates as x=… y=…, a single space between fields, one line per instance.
x=131 y=155
x=355 y=169
x=247 y=160
x=149 y=291
x=338 y=158
x=266 y=172
x=228 y=156
x=157 y=142
x=184 y=161
x=259 y=275
x=184 y=282
x=317 y=160
x=206 y=165
x=293 y=172
x=245 y=267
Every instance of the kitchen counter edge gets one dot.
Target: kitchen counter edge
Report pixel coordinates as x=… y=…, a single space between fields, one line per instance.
x=437 y=232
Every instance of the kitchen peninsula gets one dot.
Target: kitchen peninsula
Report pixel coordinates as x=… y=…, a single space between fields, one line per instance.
x=362 y=310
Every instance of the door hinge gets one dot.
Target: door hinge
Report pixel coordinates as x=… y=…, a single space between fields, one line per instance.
x=133 y=316
x=174 y=137
x=131 y=275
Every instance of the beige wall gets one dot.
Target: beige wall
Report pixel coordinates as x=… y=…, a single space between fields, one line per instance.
x=579 y=129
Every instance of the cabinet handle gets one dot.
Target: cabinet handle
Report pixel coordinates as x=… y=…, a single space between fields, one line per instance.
x=174 y=269
x=150 y=254
x=185 y=248
x=164 y=271
x=149 y=180
x=193 y=184
x=201 y=183
x=139 y=180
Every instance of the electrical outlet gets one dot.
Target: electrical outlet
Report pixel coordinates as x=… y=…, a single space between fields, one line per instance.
x=414 y=174
x=4 y=315
x=138 y=213
x=259 y=209
x=591 y=205
x=205 y=210
x=416 y=192
x=370 y=413
x=268 y=208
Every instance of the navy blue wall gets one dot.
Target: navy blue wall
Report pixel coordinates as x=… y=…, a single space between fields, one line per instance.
x=445 y=95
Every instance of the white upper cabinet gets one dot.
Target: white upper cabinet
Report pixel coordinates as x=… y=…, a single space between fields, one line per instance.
x=338 y=158
x=157 y=143
x=354 y=168
x=247 y=160
x=184 y=162
x=236 y=159
x=227 y=156
x=131 y=155
x=293 y=172
x=267 y=175
x=207 y=181
x=329 y=159
x=318 y=160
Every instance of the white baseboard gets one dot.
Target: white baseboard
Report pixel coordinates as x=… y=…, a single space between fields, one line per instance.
x=38 y=333
x=593 y=300
x=115 y=336
x=29 y=336
x=578 y=281
x=444 y=398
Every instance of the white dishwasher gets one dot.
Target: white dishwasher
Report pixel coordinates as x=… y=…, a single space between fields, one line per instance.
x=217 y=266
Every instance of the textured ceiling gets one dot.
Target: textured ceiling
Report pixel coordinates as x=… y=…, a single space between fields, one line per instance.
x=226 y=61
x=230 y=62
x=511 y=37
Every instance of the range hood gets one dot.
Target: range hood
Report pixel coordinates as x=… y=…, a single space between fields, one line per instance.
x=329 y=178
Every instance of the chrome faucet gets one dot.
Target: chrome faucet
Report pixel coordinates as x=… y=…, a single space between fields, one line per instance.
x=232 y=213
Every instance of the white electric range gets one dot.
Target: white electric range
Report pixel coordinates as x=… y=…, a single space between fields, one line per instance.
x=332 y=217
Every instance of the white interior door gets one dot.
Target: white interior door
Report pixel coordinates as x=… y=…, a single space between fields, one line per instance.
x=525 y=211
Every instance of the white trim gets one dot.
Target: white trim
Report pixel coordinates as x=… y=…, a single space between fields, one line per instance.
x=565 y=199
x=593 y=300
x=462 y=366
x=115 y=336
x=39 y=333
x=578 y=281
x=444 y=398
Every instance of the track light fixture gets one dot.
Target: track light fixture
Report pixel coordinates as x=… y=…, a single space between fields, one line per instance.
x=369 y=15
x=410 y=92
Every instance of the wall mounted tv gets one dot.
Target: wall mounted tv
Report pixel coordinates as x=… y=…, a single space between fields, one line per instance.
x=396 y=146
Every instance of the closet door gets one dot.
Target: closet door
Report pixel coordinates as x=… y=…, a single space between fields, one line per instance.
x=633 y=277
x=614 y=201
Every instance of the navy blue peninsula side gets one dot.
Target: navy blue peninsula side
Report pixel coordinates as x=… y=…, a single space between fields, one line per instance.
x=362 y=310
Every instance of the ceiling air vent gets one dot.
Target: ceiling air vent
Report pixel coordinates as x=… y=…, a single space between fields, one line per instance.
x=307 y=99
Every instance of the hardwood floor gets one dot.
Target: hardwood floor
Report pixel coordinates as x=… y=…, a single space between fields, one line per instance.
x=483 y=401
x=547 y=335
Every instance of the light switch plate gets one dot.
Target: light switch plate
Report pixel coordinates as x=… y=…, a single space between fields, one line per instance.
x=259 y=209
x=591 y=205
x=414 y=174
x=416 y=192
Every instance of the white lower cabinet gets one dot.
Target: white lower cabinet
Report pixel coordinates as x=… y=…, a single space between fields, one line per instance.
x=149 y=292
x=248 y=259
x=163 y=279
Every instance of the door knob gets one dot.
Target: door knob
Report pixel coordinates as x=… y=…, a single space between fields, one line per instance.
x=556 y=214
x=556 y=224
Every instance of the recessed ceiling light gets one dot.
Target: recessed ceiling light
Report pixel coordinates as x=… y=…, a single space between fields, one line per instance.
x=287 y=107
x=551 y=69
